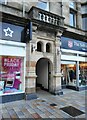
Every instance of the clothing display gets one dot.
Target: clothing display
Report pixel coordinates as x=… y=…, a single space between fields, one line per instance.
x=72 y=75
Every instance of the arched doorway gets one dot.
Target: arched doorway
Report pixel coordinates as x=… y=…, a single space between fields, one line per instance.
x=44 y=73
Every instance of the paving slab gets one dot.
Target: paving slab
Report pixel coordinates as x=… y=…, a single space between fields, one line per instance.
x=43 y=106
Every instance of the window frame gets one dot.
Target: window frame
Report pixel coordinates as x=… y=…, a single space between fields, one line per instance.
x=84 y=9
x=84 y=23
x=3 y=2
x=73 y=12
x=73 y=19
x=43 y=1
x=72 y=6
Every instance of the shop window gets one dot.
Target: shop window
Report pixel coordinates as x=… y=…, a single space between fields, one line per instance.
x=83 y=74
x=68 y=74
x=43 y=5
x=48 y=47
x=39 y=46
x=11 y=74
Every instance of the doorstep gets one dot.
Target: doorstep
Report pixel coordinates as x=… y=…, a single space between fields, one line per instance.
x=12 y=97
x=76 y=88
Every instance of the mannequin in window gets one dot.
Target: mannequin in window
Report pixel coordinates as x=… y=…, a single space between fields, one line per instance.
x=63 y=78
x=72 y=75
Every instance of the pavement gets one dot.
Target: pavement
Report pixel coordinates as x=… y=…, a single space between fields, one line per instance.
x=46 y=106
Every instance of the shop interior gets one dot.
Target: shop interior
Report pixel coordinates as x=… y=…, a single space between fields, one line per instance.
x=69 y=74
x=83 y=73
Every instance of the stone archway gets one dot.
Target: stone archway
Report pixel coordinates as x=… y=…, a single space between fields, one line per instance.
x=44 y=74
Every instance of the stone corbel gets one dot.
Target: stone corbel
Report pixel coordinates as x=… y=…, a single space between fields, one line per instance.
x=34 y=28
x=59 y=34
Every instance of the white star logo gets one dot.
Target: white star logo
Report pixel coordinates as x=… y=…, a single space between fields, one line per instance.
x=8 y=32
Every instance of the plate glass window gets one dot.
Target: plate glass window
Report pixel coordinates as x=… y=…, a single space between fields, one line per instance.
x=11 y=74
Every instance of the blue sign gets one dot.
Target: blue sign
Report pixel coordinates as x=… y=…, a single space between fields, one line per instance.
x=28 y=32
x=16 y=33
x=72 y=44
x=11 y=32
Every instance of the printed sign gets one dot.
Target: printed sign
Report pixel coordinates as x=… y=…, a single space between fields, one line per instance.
x=68 y=43
x=11 y=67
x=11 y=64
x=8 y=32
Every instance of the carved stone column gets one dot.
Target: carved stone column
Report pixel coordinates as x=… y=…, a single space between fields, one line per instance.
x=31 y=64
x=57 y=65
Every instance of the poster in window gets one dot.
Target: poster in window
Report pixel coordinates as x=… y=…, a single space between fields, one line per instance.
x=11 y=68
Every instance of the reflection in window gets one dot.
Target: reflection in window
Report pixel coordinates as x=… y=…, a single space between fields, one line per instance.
x=43 y=5
x=83 y=74
x=2 y=1
x=39 y=46
x=72 y=19
x=84 y=23
x=72 y=5
x=48 y=47
x=84 y=9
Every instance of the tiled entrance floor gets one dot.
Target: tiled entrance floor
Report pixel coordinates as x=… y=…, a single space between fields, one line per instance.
x=46 y=106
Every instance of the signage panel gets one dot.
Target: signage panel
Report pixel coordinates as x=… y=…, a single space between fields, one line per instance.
x=11 y=32
x=28 y=32
x=16 y=33
x=72 y=44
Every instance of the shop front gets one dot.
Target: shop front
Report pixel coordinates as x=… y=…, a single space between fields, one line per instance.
x=12 y=63
x=73 y=63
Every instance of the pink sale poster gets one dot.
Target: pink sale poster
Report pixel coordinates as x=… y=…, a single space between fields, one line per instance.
x=10 y=66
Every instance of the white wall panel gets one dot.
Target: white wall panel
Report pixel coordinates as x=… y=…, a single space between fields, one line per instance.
x=12 y=48
x=73 y=58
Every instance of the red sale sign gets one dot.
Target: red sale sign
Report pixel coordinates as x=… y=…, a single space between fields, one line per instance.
x=11 y=64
